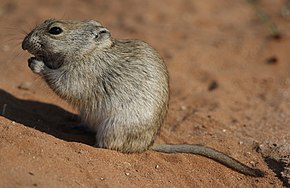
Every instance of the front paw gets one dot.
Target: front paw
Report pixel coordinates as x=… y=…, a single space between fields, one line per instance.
x=37 y=66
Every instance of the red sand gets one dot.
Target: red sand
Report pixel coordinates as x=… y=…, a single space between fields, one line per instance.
x=230 y=90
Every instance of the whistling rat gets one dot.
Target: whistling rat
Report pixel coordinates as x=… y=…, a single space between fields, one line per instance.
x=119 y=86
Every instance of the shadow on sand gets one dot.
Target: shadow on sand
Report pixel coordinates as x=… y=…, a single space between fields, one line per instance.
x=44 y=117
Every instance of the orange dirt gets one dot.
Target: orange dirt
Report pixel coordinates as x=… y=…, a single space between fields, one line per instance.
x=230 y=90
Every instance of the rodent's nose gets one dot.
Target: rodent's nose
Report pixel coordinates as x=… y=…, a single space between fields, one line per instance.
x=25 y=43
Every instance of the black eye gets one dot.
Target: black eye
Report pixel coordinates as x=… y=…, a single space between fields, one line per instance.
x=55 y=30
x=103 y=31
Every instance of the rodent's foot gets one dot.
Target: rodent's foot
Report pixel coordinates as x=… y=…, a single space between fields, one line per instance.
x=37 y=66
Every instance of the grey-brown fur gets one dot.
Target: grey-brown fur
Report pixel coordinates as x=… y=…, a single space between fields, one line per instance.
x=119 y=86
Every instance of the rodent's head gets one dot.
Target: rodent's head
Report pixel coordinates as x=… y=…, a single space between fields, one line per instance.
x=56 y=38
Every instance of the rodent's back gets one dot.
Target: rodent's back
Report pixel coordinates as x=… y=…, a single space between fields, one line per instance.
x=134 y=84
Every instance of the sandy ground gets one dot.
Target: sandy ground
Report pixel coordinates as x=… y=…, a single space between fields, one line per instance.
x=230 y=90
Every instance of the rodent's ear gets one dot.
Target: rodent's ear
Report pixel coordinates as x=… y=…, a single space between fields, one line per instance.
x=102 y=32
x=93 y=22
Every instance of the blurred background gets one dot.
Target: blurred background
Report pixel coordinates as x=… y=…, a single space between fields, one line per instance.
x=229 y=72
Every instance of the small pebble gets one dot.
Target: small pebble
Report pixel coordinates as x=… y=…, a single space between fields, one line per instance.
x=213 y=85
x=183 y=107
x=253 y=163
x=81 y=151
x=25 y=86
x=272 y=60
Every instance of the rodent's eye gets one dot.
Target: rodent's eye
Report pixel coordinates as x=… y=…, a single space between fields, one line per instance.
x=55 y=30
x=103 y=31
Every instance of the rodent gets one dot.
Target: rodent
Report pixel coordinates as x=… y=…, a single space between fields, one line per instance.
x=119 y=86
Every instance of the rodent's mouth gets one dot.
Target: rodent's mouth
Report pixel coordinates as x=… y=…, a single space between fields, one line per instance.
x=49 y=61
x=39 y=57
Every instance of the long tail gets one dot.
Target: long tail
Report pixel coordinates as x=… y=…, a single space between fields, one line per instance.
x=209 y=153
